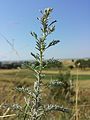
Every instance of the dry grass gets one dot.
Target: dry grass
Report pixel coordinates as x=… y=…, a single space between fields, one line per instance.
x=81 y=72
x=9 y=79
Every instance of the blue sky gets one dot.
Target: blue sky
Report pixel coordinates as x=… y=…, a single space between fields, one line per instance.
x=18 y=19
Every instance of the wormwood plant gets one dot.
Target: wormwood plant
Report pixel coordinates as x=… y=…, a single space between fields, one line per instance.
x=34 y=109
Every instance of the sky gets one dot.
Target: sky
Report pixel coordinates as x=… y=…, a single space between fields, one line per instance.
x=18 y=19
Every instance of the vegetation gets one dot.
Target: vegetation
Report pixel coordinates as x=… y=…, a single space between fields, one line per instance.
x=9 y=79
x=10 y=65
x=84 y=63
x=52 y=63
x=34 y=108
x=44 y=85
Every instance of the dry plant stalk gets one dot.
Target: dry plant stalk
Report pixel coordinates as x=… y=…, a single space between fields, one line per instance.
x=77 y=91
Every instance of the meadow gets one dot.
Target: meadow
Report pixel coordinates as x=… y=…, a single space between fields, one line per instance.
x=9 y=79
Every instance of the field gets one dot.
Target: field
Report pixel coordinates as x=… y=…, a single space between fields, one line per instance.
x=9 y=79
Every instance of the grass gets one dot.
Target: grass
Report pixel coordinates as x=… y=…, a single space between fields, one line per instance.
x=11 y=75
x=84 y=77
x=21 y=75
x=9 y=79
x=26 y=77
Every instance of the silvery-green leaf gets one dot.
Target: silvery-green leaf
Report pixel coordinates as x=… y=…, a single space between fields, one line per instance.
x=54 y=42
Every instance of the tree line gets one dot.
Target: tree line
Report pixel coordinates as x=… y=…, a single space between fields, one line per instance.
x=83 y=63
x=10 y=65
x=51 y=64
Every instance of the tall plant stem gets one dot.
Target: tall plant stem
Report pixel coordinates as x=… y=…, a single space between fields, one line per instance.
x=41 y=54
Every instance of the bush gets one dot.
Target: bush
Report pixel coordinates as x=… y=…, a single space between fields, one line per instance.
x=34 y=109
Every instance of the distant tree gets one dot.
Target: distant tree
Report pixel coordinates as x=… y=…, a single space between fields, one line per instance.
x=88 y=62
x=83 y=63
x=0 y=64
x=52 y=63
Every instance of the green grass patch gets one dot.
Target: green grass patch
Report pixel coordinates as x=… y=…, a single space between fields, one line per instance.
x=82 y=77
x=28 y=75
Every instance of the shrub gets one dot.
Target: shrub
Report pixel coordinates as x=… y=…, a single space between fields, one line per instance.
x=34 y=109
